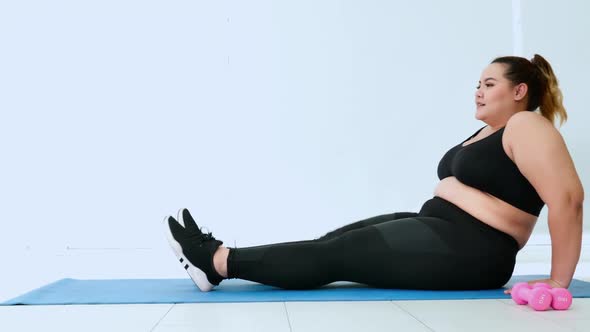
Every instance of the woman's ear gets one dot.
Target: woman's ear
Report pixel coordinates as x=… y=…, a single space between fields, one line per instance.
x=520 y=91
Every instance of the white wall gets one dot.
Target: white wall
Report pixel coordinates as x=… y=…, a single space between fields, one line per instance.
x=271 y=121
x=560 y=31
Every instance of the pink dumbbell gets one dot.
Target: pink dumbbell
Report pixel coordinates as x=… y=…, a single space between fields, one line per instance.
x=538 y=298
x=562 y=298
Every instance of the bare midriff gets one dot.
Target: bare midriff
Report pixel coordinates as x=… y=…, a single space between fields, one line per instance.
x=487 y=208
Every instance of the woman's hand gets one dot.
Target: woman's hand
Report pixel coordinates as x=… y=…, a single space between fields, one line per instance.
x=551 y=282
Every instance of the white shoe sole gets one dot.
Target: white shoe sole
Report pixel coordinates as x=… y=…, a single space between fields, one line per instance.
x=199 y=277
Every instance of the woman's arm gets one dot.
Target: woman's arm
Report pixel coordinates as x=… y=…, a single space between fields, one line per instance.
x=541 y=155
x=565 y=227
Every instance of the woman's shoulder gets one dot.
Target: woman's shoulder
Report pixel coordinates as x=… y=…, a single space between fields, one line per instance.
x=527 y=116
x=531 y=127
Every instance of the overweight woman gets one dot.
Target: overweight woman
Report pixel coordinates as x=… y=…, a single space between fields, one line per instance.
x=492 y=188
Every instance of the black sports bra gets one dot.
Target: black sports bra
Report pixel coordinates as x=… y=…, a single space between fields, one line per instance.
x=485 y=166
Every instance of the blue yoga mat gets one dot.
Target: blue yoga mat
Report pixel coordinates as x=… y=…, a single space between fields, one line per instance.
x=128 y=291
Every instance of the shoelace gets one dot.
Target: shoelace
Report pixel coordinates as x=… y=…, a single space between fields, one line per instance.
x=201 y=238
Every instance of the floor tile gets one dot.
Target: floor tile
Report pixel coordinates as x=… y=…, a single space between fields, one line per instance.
x=579 y=310
x=578 y=325
x=253 y=316
x=458 y=309
x=366 y=316
x=495 y=325
x=480 y=315
x=82 y=317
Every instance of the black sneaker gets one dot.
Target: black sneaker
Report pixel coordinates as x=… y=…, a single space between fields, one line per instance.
x=194 y=249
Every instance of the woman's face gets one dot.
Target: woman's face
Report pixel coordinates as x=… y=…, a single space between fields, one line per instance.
x=495 y=95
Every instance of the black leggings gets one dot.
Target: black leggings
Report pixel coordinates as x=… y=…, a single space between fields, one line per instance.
x=441 y=247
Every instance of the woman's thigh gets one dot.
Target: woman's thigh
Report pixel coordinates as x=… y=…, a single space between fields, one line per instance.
x=368 y=222
x=433 y=253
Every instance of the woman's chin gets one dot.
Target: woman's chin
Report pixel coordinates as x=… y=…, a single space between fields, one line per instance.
x=479 y=114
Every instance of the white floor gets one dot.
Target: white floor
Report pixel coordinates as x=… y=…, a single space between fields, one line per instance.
x=457 y=315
